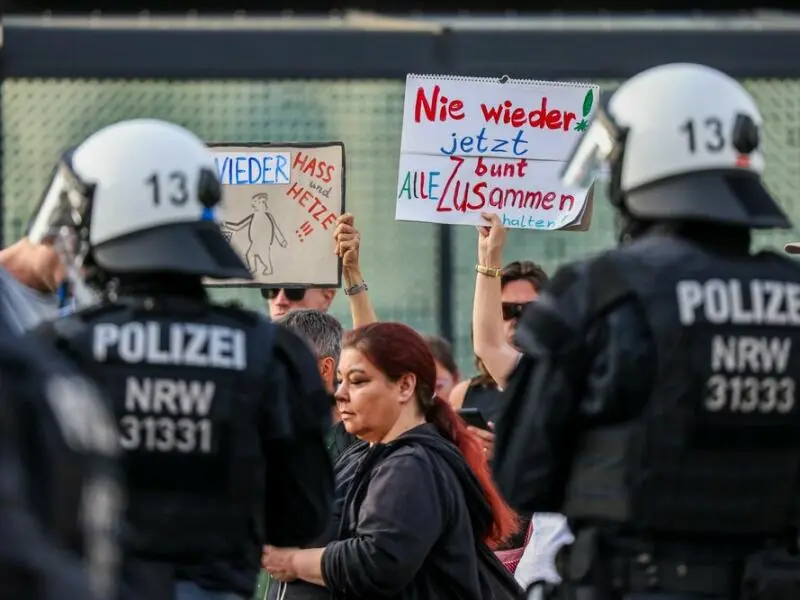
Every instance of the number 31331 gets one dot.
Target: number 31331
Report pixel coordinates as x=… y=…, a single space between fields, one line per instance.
x=164 y=434
x=750 y=394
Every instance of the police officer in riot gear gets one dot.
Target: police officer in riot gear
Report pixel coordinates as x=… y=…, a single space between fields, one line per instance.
x=212 y=402
x=60 y=495
x=655 y=404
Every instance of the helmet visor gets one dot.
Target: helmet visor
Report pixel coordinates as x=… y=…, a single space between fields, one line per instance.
x=591 y=153
x=65 y=204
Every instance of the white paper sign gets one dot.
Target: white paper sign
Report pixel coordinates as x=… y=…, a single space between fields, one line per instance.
x=473 y=145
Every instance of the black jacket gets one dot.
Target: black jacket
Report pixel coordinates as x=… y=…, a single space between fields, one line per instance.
x=294 y=417
x=46 y=467
x=345 y=469
x=583 y=369
x=603 y=369
x=411 y=525
x=339 y=441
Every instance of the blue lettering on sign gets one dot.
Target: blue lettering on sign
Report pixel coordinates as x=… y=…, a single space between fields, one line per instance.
x=481 y=144
x=527 y=222
x=257 y=168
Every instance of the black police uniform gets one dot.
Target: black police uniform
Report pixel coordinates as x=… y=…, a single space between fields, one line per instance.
x=222 y=416
x=60 y=494
x=656 y=407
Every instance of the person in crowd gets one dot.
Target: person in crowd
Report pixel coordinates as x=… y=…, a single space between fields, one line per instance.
x=447 y=375
x=282 y=300
x=501 y=296
x=212 y=401
x=422 y=512
x=647 y=406
x=324 y=333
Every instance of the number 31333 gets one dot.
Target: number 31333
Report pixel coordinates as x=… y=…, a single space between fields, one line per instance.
x=750 y=394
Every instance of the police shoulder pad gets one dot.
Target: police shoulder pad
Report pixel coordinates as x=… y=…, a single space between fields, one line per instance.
x=237 y=312
x=296 y=353
x=606 y=283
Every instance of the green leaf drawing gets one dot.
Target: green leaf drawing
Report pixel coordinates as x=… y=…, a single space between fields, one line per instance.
x=588 y=100
x=581 y=125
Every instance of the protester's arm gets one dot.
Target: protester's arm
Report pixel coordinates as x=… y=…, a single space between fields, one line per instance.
x=299 y=477
x=348 y=241
x=36 y=266
x=489 y=343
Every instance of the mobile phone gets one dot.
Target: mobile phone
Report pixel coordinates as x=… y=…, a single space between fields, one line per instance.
x=474 y=418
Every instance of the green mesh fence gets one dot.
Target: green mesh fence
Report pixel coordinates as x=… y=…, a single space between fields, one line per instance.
x=43 y=117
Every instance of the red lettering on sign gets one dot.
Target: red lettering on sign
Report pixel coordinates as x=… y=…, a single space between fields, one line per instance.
x=541 y=118
x=454 y=109
x=463 y=196
x=312 y=167
x=440 y=207
x=313 y=205
x=500 y=168
x=329 y=220
x=499 y=197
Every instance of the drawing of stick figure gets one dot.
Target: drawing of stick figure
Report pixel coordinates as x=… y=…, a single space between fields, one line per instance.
x=261 y=229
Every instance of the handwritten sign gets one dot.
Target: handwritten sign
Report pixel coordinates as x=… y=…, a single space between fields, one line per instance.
x=280 y=210
x=473 y=145
x=260 y=168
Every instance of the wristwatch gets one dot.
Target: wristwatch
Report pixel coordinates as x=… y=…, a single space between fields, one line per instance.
x=489 y=271
x=356 y=289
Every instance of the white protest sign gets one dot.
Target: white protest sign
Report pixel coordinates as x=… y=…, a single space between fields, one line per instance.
x=281 y=202
x=473 y=145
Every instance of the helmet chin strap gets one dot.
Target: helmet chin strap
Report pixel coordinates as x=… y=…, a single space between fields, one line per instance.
x=626 y=226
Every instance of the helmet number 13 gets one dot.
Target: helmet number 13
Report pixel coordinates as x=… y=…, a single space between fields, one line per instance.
x=710 y=130
x=174 y=184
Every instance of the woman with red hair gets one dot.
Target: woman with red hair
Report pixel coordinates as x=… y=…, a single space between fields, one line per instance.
x=422 y=514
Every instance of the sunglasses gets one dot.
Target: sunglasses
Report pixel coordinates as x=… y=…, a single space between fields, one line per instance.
x=514 y=310
x=292 y=294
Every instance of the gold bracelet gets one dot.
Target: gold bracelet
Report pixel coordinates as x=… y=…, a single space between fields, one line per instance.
x=488 y=271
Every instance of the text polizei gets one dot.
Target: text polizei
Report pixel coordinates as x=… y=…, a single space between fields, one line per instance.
x=749 y=372
x=169 y=414
x=755 y=302
x=179 y=344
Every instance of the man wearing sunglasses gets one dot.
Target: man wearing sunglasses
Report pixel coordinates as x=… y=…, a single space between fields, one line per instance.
x=282 y=300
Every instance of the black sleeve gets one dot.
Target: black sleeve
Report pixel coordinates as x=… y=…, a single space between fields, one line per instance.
x=48 y=334
x=24 y=546
x=299 y=490
x=578 y=370
x=399 y=521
